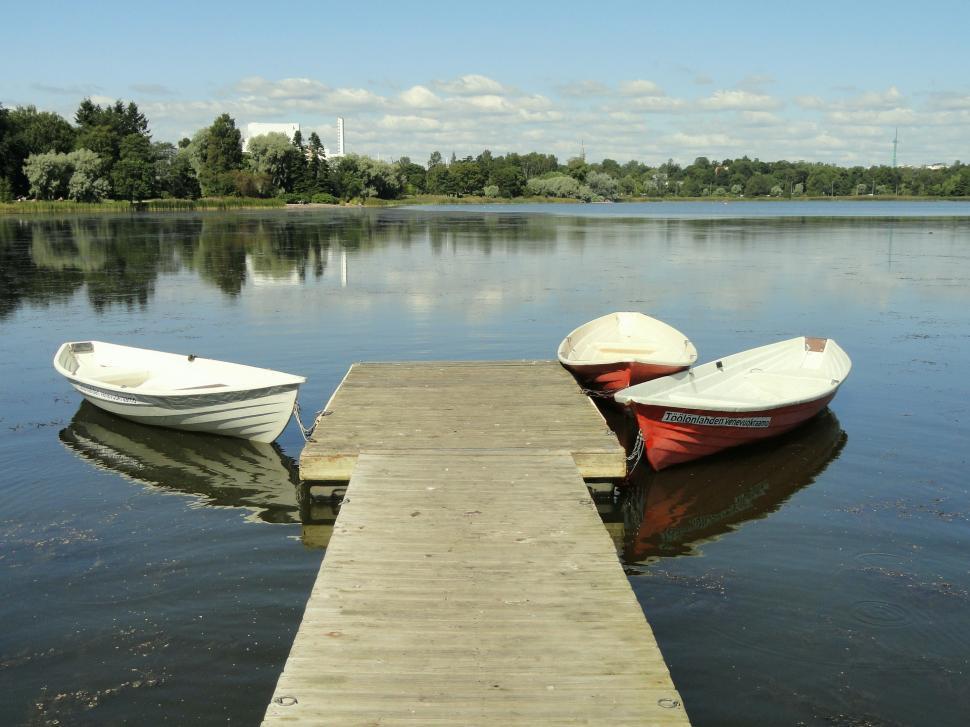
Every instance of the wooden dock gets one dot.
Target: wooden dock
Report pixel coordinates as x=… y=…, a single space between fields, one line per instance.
x=469 y=579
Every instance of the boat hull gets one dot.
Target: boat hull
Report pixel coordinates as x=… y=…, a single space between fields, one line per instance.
x=621 y=349
x=259 y=415
x=673 y=435
x=611 y=377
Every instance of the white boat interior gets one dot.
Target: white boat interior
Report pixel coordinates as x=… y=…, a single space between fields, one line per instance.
x=627 y=336
x=780 y=374
x=157 y=373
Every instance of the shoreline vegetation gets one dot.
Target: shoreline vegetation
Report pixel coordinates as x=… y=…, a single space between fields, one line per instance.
x=106 y=162
x=226 y=204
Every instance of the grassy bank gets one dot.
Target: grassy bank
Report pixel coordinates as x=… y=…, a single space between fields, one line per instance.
x=123 y=207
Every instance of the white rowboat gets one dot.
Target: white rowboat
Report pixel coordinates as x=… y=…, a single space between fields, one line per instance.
x=619 y=350
x=179 y=391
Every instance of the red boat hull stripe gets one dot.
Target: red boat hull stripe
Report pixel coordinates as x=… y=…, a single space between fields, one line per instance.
x=616 y=376
x=674 y=435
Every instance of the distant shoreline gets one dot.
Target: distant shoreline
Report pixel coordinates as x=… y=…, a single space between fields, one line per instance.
x=229 y=204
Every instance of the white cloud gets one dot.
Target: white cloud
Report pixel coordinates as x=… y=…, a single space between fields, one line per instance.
x=640 y=87
x=656 y=104
x=633 y=119
x=738 y=99
x=286 y=88
x=420 y=97
x=828 y=141
x=703 y=141
x=152 y=89
x=354 y=98
x=950 y=101
x=898 y=117
x=889 y=99
x=470 y=85
x=584 y=89
x=409 y=123
x=761 y=118
x=810 y=102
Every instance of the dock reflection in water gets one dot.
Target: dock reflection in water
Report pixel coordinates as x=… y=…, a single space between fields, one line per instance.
x=221 y=471
x=671 y=512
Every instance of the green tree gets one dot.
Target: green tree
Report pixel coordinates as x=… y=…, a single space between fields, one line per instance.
x=133 y=175
x=174 y=175
x=275 y=156
x=509 y=179
x=758 y=185
x=25 y=131
x=577 y=169
x=87 y=182
x=217 y=151
x=102 y=130
x=78 y=175
x=413 y=176
x=466 y=177
x=438 y=180
x=47 y=174
x=7 y=169
x=603 y=185
x=318 y=168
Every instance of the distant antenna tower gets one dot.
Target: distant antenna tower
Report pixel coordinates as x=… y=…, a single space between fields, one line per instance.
x=340 y=136
x=895 y=144
x=582 y=150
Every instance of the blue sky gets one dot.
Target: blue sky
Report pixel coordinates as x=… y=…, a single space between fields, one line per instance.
x=820 y=81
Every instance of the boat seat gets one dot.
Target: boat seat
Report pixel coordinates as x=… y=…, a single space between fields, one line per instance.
x=787 y=385
x=708 y=401
x=637 y=350
x=116 y=376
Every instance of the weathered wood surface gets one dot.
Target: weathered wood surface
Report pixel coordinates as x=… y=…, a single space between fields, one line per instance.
x=513 y=405
x=472 y=588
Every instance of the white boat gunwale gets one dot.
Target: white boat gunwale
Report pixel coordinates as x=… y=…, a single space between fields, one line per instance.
x=674 y=345
x=666 y=391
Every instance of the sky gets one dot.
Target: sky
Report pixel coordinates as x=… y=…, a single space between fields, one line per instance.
x=818 y=81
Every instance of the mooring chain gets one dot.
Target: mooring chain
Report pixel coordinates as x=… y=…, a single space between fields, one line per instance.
x=636 y=454
x=598 y=394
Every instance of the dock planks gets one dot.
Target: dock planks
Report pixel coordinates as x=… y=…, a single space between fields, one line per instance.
x=471 y=584
x=515 y=405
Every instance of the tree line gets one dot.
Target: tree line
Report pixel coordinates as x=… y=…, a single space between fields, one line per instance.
x=108 y=153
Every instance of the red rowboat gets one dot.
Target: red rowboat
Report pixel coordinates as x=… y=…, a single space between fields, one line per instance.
x=742 y=398
x=622 y=349
x=675 y=511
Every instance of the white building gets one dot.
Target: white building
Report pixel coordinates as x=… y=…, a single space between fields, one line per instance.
x=258 y=128
x=340 y=136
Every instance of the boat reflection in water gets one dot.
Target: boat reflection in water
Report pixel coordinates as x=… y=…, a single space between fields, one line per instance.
x=220 y=471
x=671 y=512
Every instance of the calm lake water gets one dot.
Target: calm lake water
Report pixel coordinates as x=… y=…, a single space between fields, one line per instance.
x=149 y=576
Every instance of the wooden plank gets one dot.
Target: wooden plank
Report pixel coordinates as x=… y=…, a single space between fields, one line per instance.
x=447 y=405
x=472 y=588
